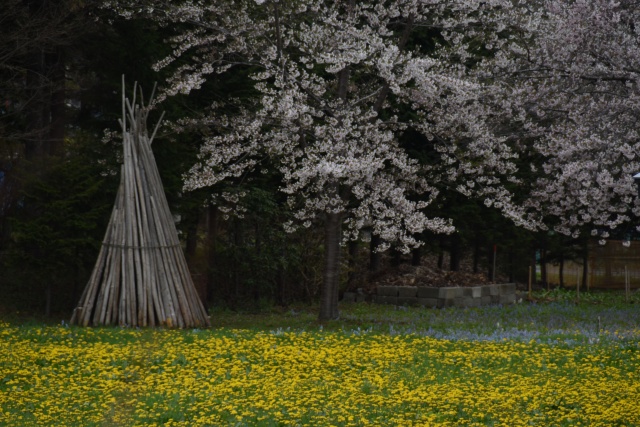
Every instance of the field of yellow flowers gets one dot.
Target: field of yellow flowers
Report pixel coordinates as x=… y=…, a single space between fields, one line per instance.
x=62 y=376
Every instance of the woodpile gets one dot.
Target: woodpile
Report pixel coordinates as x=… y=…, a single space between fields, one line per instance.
x=407 y=275
x=141 y=277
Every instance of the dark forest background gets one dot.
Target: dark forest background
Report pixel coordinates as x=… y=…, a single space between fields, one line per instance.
x=61 y=64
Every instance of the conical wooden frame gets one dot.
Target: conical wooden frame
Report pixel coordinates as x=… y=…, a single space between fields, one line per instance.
x=141 y=276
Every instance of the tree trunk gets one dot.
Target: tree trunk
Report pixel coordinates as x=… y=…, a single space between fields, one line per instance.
x=512 y=268
x=212 y=242
x=490 y=271
x=585 y=264
x=238 y=241
x=454 y=253
x=37 y=108
x=282 y=278
x=416 y=256
x=191 y=243
x=374 y=256
x=48 y=297
x=190 y=253
x=561 y=270
x=331 y=279
x=396 y=260
x=476 y=254
x=353 y=265
x=440 y=252
x=58 y=119
x=543 y=262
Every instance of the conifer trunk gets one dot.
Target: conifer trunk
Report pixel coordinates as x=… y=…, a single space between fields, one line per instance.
x=331 y=279
x=375 y=262
x=454 y=253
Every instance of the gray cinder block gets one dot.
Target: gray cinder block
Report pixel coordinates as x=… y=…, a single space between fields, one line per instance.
x=474 y=302
x=508 y=299
x=450 y=293
x=389 y=300
x=410 y=301
x=428 y=302
x=446 y=302
x=407 y=291
x=423 y=292
x=473 y=292
x=388 y=291
x=461 y=301
x=507 y=288
x=494 y=290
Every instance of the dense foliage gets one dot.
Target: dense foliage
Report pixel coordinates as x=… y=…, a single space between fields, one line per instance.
x=395 y=122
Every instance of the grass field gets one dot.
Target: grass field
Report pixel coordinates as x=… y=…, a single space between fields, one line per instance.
x=551 y=364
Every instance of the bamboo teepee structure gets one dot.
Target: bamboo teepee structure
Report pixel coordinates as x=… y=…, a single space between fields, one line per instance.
x=141 y=277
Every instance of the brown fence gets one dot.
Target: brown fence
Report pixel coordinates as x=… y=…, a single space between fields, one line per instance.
x=607 y=267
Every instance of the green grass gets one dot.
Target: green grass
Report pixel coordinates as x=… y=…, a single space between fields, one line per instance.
x=555 y=362
x=556 y=314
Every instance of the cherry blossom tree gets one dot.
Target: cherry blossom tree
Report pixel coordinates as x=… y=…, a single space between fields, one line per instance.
x=570 y=73
x=337 y=84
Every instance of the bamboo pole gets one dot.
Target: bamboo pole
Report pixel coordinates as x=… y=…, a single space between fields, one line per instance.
x=141 y=277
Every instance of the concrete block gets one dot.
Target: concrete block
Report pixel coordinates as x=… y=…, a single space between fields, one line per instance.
x=507 y=288
x=388 y=300
x=407 y=291
x=424 y=292
x=494 y=290
x=449 y=296
x=361 y=298
x=445 y=302
x=474 y=302
x=473 y=292
x=428 y=302
x=387 y=291
x=450 y=293
x=508 y=299
x=409 y=301
x=349 y=297
x=461 y=301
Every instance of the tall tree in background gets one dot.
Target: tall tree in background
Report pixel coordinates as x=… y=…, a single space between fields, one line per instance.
x=58 y=69
x=573 y=75
x=336 y=87
x=35 y=38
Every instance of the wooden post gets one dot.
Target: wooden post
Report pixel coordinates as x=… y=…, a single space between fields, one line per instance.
x=141 y=277
x=493 y=273
x=627 y=284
